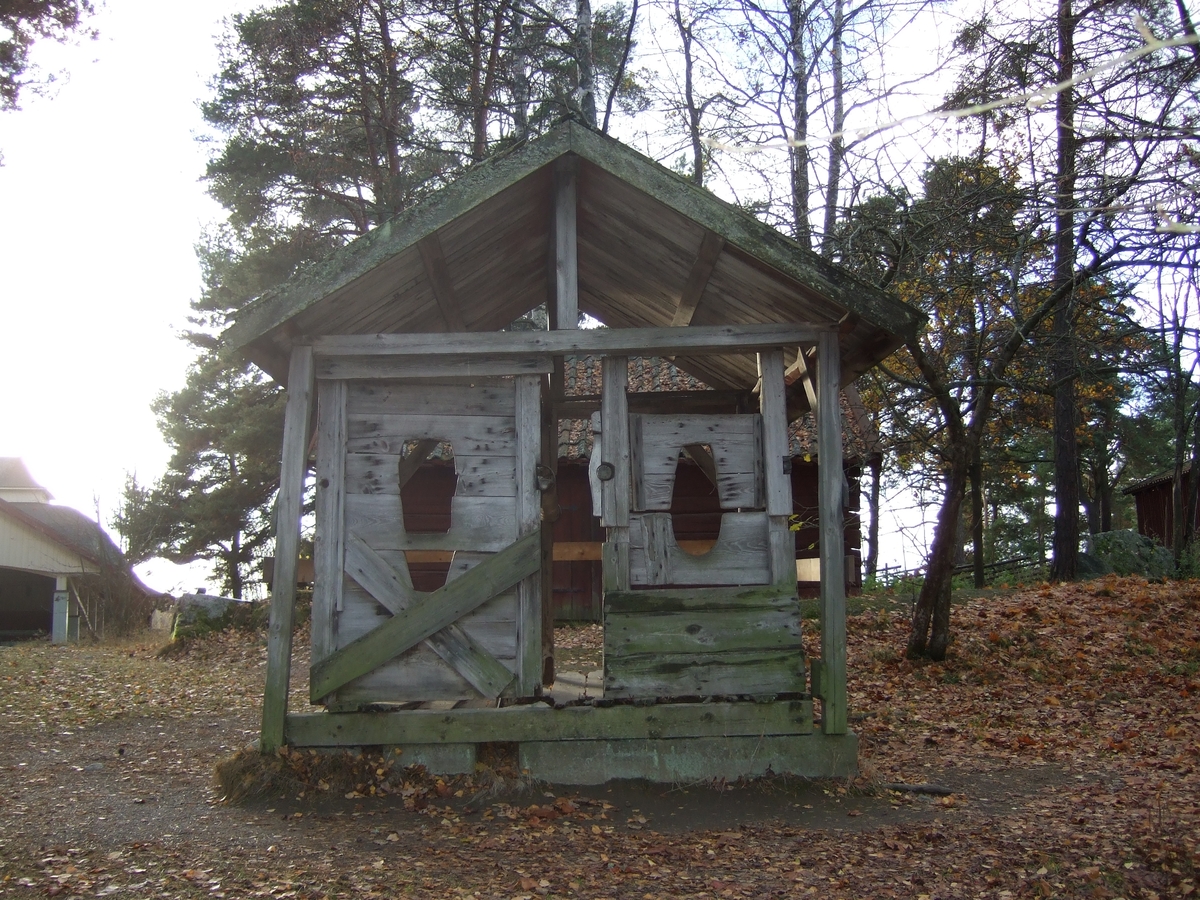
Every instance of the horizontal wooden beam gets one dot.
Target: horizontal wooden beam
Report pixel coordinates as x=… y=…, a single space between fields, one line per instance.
x=541 y=723
x=715 y=402
x=692 y=340
x=591 y=551
x=443 y=365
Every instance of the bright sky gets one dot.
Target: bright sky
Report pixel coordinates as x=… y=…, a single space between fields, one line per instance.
x=102 y=205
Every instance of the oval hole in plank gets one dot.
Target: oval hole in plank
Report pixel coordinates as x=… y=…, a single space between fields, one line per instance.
x=425 y=500
x=695 y=507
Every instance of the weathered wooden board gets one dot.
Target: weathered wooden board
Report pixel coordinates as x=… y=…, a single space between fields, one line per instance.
x=484 y=476
x=740 y=555
x=705 y=675
x=608 y=341
x=439 y=609
x=438 y=272
x=773 y=406
x=481 y=524
x=614 y=416
x=673 y=600
x=468 y=435
x=442 y=366
x=692 y=632
x=528 y=510
x=702 y=268
x=492 y=625
x=419 y=675
x=287 y=546
x=736 y=450
x=689 y=760
x=664 y=721
x=566 y=250
x=375 y=398
x=829 y=491
x=392 y=588
x=614 y=555
x=330 y=499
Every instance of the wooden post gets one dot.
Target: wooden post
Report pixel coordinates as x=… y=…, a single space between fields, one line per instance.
x=287 y=547
x=833 y=567
x=328 y=554
x=563 y=313
x=529 y=590
x=777 y=464
x=566 y=249
x=614 y=492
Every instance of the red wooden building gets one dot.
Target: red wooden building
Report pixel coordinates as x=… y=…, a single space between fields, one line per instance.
x=1153 y=498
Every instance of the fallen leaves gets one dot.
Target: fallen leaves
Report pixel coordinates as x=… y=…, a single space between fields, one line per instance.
x=1063 y=722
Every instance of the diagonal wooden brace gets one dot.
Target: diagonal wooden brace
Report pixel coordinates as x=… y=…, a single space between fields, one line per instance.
x=392 y=587
x=443 y=607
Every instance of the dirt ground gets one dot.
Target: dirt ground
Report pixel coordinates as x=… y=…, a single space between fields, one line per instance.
x=1061 y=743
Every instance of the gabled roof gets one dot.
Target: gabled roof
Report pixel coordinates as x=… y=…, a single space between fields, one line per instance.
x=644 y=235
x=69 y=528
x=83 y=539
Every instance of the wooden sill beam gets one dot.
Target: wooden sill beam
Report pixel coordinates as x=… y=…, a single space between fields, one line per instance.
x=669 y=402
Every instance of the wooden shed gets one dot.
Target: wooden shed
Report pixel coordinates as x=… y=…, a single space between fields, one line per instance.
x=1154 y=500
x=399 y=336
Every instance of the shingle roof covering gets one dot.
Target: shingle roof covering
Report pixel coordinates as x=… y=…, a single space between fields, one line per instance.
x=69 y=527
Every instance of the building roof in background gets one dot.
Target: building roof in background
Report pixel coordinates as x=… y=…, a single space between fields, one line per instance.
x=69 y=528
x=1155 y=480
x=17 y=485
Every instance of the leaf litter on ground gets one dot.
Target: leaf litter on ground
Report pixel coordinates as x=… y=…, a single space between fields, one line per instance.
x=1062 y=734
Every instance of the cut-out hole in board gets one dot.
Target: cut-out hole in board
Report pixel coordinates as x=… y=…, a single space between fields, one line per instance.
x=425 y=502
x=695 y=506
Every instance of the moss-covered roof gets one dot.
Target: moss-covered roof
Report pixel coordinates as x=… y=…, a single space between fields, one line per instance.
x=641 y=230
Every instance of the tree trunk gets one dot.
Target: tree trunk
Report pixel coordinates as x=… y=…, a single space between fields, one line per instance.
x=584 y=61
x=837 y=146
x=798 y=155
x=520 y=74
x=875 y=467
x=932 y=610
x=689 y=96
x=977 y=521
x=1066 y=455
x=620 y=76
x=1193 y=491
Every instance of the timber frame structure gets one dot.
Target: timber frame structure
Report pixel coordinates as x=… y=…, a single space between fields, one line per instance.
x=395 y=340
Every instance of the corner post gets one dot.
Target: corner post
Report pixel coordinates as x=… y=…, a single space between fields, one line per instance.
x=287 y=546
x=777 y=465
x=614 y=490
x=833 y=566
